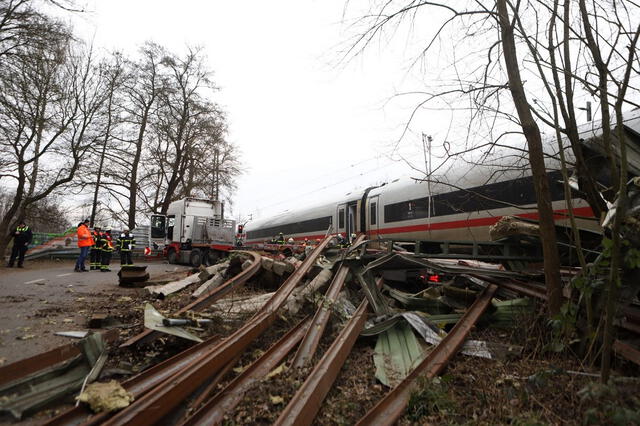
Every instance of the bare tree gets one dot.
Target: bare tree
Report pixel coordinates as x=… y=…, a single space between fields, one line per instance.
x=141 y=91
x=187 y=127
x=547 y=52
x=113 y=73
x=50 y=96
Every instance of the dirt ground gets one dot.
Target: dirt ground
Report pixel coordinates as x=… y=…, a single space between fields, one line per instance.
x=47 y=297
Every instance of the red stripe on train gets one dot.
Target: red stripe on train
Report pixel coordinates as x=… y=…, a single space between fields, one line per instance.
x=470 y=223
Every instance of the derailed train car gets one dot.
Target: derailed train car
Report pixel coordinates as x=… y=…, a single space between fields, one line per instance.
x=460 y=204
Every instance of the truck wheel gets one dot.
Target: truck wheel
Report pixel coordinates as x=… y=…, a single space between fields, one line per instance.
x=212 y=257
x=172 y=257
x=196 y=258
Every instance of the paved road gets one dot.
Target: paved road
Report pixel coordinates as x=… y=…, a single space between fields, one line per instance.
x=48 y=296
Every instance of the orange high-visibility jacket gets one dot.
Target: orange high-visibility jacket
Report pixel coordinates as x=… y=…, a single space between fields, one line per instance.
x=84 y=236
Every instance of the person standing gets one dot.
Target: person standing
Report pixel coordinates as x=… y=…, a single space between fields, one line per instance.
x=107 y=250
x=85 y=241
x=280 y=239
x=96 y=253
x=21 y=238
x=126 y=243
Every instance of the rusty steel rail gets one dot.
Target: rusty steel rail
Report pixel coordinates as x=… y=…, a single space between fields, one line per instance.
x=305 y=404
x=518 y=287
x=389 y=409
x=208 y=391
x=153 y=406
x=228 y=398
x=311 y=340
x=206 y=299
x=27 y=366
x=139 y=384
x=627 y=351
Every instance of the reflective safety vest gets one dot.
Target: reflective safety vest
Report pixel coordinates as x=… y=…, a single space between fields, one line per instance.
x=107 y=244
x=126 y=242
x=96 y=239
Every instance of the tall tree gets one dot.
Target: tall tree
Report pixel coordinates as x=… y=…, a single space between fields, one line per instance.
x=113 y=73
x=187 y=128
x=50 y=96
x=142 y=93
x=536 y=160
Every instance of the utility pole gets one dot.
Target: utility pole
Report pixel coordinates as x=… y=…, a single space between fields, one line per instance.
x=588 y=110
x=216 y=174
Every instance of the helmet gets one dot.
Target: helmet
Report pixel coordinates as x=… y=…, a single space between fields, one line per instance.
x=290 y=240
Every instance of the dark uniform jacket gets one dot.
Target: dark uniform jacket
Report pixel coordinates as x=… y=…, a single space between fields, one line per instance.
x=126 y=242
x=22 y=236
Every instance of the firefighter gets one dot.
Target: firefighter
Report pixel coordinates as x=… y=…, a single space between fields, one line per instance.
x=96 y=253
x=21 y=238
x=126 y=243
x=107 y=250
x=280 y=238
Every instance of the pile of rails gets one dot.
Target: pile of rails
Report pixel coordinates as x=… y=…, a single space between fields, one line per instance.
x=365 y=290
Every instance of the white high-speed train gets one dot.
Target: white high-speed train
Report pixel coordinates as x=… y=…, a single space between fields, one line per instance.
x=459 y=204
x=410 y=210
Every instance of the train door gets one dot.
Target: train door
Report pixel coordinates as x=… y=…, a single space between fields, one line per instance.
x=352 y=210
x=374 y=222
x=347 y=218
x=341 y=223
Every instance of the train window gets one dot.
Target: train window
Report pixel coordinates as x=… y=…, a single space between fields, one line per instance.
x=341 y=218
x=373 y=214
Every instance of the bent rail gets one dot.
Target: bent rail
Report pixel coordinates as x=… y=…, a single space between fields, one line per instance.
x=305 y=404
x=214 y=410
x=153 y=406
x=389 y=409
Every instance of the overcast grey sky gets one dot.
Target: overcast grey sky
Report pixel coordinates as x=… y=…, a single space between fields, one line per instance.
x=309 y=126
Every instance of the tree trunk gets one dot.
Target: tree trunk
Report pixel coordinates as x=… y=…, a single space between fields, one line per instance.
x=621 y=210
x=94 y=206
x=536 y=160
x=133 y=184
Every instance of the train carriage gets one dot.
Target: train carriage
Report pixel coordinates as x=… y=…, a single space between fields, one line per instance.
x=458 y=205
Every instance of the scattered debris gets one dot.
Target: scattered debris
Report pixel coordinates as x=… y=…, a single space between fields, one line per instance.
x=28 y=394
x=209 y=285
x=97 y=320
x=397 y=352
x=26 y=337
x=508 y=226
x=74 y=334
x=105 y=397
x=133 y=275
x=162 y=291
x=154 y=321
